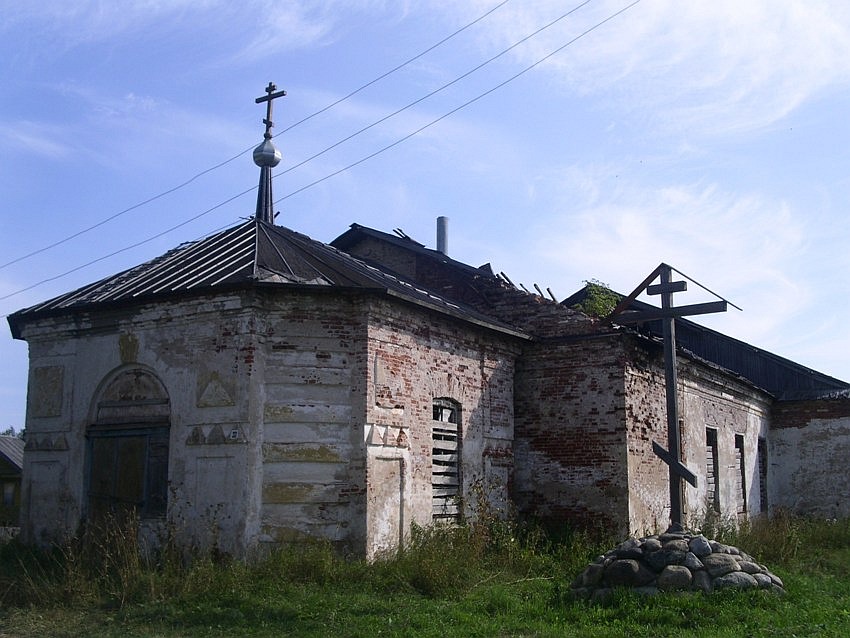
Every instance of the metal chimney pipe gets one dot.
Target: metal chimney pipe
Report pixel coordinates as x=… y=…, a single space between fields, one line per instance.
x=443 y=235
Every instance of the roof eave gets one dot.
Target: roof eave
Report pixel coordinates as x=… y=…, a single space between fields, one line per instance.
x=19 y=320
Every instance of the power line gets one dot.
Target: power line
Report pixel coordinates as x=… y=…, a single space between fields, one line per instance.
x=458 y=108
x=119 y=213
x=130 y=247
x=349 y=166
x=437 y=90
x=394 y=69
x=241 y=153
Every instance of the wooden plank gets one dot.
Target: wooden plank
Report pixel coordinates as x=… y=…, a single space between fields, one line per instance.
x=673 y=286
x=671 y=313
x=675 y=464
x=445 y=447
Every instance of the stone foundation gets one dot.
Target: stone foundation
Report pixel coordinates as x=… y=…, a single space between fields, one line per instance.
x=673 y=561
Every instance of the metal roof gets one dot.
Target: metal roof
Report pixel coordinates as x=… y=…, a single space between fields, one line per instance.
x=12 y=449
x=355 y=233
x=252 y=253
x=782 y=378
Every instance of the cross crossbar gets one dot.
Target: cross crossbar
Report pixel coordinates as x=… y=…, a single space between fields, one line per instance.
x=271 y=94
x=674 y=464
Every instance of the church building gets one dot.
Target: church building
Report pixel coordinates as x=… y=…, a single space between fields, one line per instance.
x=258 y=387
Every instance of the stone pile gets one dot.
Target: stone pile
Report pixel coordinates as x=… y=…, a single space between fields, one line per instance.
x=673 y=561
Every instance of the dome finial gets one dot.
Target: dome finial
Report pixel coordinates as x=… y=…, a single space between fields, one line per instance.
x=266 y=156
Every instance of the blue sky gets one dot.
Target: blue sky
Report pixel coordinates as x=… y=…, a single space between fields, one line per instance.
x=709 y=135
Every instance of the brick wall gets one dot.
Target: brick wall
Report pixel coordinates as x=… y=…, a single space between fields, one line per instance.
x=570 y=439
x=809 y=445
x=708 y=398
x=312 y=458
x=413 y=358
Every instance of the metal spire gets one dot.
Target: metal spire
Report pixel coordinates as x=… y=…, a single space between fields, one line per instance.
x=266 y=156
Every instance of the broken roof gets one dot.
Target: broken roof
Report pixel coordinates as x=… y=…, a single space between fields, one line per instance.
x=249 y=254
x=782 y=378
x=479 y=288
x=356 y=232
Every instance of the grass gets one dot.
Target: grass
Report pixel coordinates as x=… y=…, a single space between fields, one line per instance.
x=477 y=580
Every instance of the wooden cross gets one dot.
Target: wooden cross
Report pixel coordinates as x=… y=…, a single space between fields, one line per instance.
x=270 y=95
x=668 y=314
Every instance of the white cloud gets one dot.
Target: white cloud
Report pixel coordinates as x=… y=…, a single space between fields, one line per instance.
x=720 y=66
x=71 y=23
x=746 y=248
x=33 y=138
x=268 y=26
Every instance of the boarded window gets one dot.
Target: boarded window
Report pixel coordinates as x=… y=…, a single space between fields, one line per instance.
x=740 y=475
x=128 y=471
x=445 y=460
x=762 y=456
x=712 y=493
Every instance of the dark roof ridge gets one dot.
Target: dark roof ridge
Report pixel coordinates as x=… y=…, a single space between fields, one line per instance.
x=347 y=238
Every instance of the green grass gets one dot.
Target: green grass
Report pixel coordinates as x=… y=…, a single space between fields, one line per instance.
x=479 y=580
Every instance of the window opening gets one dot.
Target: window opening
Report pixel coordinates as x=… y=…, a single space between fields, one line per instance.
x=762 y=457
x=445 y=460
x=740 y=475
x=712 y=470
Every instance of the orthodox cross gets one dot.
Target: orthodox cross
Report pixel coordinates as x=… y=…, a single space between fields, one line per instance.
x=266 y=156
x=622 y=314
x=271 y=94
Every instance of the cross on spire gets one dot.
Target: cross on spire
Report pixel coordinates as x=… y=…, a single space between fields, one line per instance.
x=266 y=156
x=271 y=94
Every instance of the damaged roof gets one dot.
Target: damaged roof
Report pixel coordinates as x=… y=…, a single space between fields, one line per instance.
x=356 y=232
x=493 y=295
x=252 y=253
x=784 y=379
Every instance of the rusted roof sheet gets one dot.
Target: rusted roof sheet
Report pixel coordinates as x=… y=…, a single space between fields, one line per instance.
x=12 y=449
x=250 y=253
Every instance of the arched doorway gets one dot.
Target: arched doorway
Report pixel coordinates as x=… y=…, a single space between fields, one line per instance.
x=127 y=460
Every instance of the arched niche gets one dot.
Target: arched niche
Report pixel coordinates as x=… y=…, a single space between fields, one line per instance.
x=132 y=396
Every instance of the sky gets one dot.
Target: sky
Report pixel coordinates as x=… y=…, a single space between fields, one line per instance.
x=712 y=136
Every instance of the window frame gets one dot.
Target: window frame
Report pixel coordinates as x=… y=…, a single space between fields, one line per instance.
x=446 y=460
x=712 y=450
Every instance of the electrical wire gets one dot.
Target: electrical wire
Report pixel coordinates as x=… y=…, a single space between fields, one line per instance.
x=130 y=247
x=349 y=166
x=394 y=69
x=458 y=108
x=119 y=213
x=437 y=90
x=241 y=153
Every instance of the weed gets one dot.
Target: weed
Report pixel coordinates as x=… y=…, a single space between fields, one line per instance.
x=488 y=576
